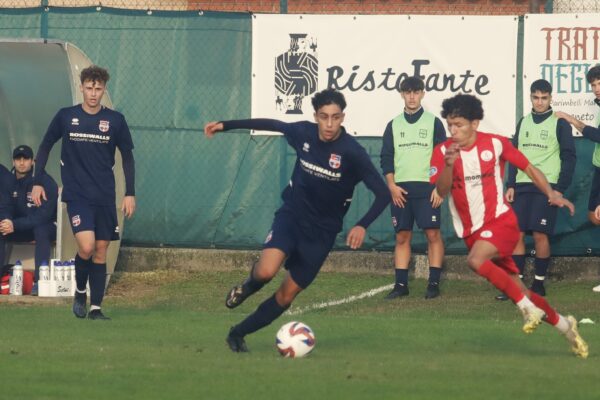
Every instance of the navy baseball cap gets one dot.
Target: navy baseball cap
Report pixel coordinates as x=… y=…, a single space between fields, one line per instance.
x=22 y=151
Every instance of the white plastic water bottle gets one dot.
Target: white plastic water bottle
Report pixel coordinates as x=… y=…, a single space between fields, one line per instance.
x=18 y=278
x=11 y=283
x=44 y=271
x=58 y=271
x=72 y=267
x=67 y=271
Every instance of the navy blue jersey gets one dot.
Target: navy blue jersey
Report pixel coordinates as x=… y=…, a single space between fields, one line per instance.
x=88 y=152
x=27 y=215
x=7 y=188
x=325 y=174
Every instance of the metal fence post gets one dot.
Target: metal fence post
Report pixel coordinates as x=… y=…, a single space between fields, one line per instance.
x=44 y=19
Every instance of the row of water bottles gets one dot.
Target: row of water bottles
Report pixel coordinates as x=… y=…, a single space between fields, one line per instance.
x=57 y=279
x=63 y=271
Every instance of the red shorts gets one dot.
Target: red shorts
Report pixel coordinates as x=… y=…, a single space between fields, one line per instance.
x=503 y=233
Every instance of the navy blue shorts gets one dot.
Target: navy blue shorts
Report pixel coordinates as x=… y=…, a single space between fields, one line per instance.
x=417 y=210
x=306 y=249
x=534 y=213
x=594 y=191
x=102 y=220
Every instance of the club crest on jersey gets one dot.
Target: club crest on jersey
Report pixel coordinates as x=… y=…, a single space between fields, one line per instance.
x=544 y=135
x=103 y=126
x=335 y=161
x=432 y=171
x=76 y=220
x=306 y=147
x=486 y=155
x=422 y=133
x=75 y=121
x=486 y=234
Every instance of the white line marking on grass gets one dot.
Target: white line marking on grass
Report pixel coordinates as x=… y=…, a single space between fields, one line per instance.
x=346 y=300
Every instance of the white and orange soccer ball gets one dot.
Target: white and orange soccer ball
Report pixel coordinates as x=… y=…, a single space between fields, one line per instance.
x=295 y=340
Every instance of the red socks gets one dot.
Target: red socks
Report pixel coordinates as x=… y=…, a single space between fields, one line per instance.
x=501 y=280
x=540 y=302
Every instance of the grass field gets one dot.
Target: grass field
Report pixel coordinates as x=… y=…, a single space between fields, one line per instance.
x=166 y=341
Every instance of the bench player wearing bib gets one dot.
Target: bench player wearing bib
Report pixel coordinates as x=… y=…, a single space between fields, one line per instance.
x=593 y=134
x=329 y=165
x=470 y=167
x=548 y=144
x=406 y=149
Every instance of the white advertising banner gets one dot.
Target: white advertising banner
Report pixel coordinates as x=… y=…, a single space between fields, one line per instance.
x=561 y=48
x=366 y=57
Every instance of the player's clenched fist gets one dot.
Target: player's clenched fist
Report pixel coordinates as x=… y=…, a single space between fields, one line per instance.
x=212 y=127
x=452 y=153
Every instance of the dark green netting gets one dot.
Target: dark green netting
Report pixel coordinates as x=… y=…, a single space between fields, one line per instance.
x=171 y=73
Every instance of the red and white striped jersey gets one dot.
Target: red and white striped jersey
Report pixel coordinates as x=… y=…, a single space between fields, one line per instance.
x=477 y=194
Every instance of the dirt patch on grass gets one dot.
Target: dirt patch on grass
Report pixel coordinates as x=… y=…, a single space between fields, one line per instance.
x=134 y=285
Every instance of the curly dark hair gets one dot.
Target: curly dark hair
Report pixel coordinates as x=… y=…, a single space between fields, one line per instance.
x=462 y=105
x=328 y=96
x=94 y=73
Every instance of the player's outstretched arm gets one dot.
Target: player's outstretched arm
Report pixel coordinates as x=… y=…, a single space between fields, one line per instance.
x=579 y=125
x=356 y=237
x=211 y=128
x=587 y=131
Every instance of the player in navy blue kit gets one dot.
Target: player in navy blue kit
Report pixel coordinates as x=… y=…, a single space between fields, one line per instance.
x=329 y=165
x=90 y=134
x=28 y=222
x=7 y=188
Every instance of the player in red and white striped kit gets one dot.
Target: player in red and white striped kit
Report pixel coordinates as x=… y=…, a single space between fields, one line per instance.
x=470 y=166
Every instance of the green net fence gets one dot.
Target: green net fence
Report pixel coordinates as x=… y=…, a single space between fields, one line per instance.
x=172 y=71
x=481 y=7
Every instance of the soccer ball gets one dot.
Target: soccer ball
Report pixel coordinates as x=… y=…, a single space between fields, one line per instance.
x=295 y=340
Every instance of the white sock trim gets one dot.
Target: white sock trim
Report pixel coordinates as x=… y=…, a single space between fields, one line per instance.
x=539 y=278
x=525 y=303
x=92 y=308
x=80 y=291
x=562 y=325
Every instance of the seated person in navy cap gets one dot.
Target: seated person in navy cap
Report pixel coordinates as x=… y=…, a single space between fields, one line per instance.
x=28 y=222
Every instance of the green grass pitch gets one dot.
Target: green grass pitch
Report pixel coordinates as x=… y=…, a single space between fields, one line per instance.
x=166 y=341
